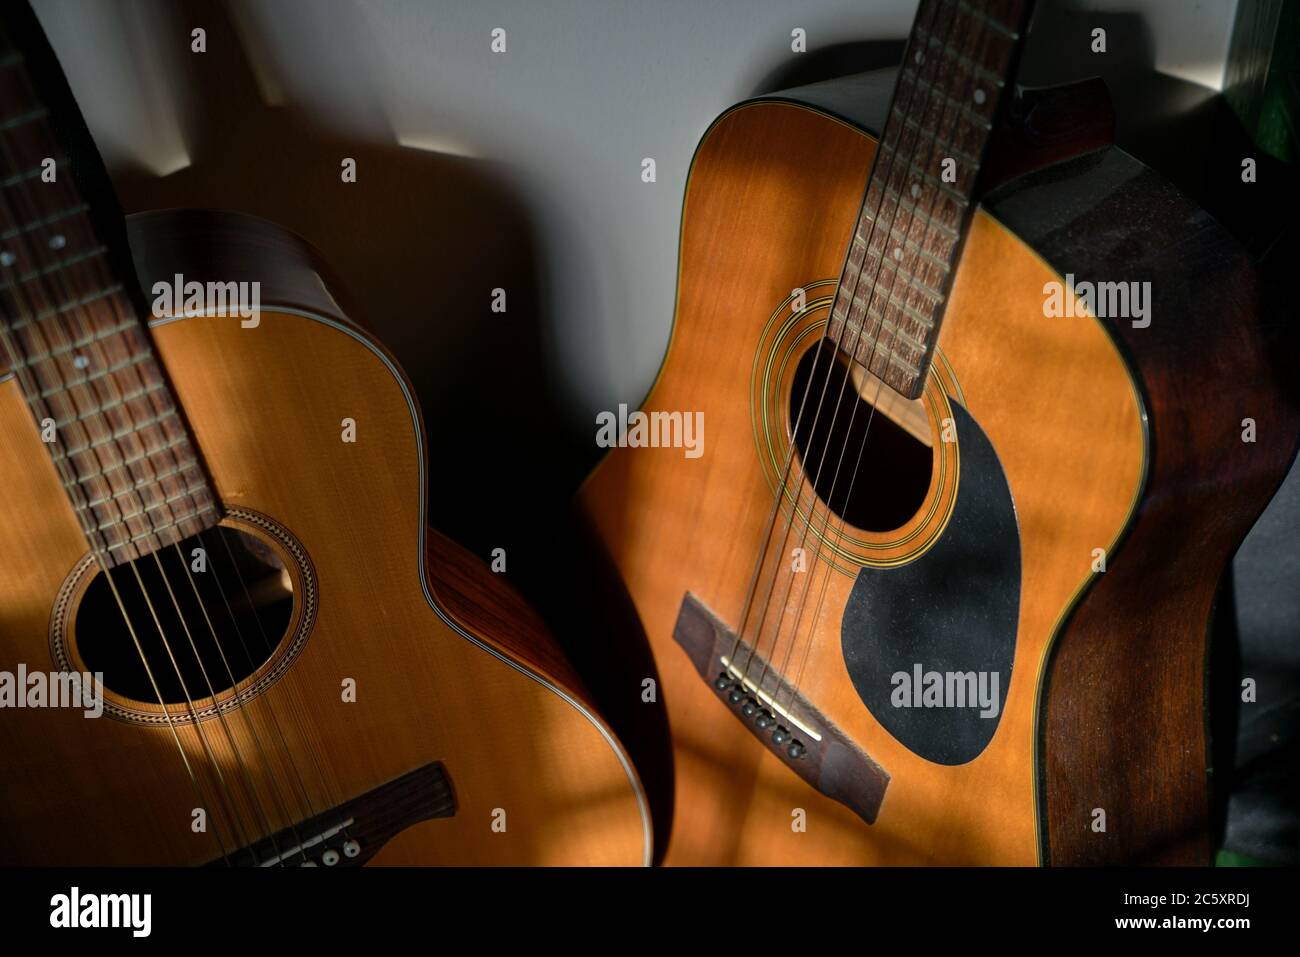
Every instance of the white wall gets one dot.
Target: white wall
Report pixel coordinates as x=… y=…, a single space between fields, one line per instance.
x=586 y=89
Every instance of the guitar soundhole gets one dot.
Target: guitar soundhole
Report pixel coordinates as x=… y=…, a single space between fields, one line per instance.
x=205 y=619
x=893 y=473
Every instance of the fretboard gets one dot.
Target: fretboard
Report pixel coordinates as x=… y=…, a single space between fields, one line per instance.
x=905 y=245
x=78 y=350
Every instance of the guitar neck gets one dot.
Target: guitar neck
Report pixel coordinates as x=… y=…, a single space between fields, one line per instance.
x=920 y=194
x=73 y=334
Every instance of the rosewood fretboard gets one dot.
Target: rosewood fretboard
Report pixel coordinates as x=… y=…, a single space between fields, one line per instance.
x=898 y=269
x=75 y=343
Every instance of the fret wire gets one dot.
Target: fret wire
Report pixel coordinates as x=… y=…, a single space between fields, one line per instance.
x=126 y=463
x=953 y=148
x=928 y=237
x=181 y=469
x=135 y=359
x=933 y=180
x=67 y=307
x=921 y=323
x=907 y=242
x=98 y=335
x=992 y=21
x=23 y=119
x=116 y=402
x=946 y=121
x=96 y=539
x=893 y=358
x=117 y=435
x=153 y=533
x=904 y=307
x=854 y=266
x=54 y=268
x=883 y=324
x=961 y=58
x=187 y=492
x=915 y=210
x=60 y=162
x=169 y=453
x=45 y=221
x=912 y=280
x=963 y=109
x=62 y=271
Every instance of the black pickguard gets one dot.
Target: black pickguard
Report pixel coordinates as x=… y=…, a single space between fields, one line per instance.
x=954 y=609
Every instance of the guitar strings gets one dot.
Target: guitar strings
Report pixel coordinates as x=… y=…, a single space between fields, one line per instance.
x=68 y=343
x=250 y=788
x=238 y=702
x=770 y=523
x=783 y=492
x=241 y=706
x=837 y=344
x=982 y=35
x=873 y=288
x=40 y=336
x=302 y=793
x=331 y=793
x=32 y=390
x=99 y=347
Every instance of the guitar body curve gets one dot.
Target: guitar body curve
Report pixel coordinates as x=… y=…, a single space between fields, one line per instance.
x=536 y=777
x=773 y=191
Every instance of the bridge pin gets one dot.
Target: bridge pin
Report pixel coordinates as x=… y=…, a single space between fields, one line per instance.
x=722 y=682
x=764 y=720
x=780 y=735
x=749 y=708
x=351 y=849
x=796 y=749
x=330 y=857
x=736 y=694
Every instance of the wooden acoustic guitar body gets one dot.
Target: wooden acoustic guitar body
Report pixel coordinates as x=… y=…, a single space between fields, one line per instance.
x=447 y=664
x=1096 y=432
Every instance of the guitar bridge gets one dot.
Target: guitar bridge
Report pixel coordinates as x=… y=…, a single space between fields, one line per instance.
x=778 y=715
x=352 y=833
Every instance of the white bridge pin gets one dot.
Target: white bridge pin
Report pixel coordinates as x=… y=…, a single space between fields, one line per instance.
x=330 y=857
x=351 y=849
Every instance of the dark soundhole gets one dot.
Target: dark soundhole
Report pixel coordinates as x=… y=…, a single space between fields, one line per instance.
x=216 y=638
x=892 y=469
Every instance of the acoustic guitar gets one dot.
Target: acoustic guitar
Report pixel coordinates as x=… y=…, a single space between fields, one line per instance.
x=226 y=636
x=985 y=407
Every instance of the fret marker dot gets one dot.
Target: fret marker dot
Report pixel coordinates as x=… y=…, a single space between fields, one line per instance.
x=898 y=252
x=979 y=96
x=80 y=362
x=58 y=241
x=916 y=191
x=7 y=258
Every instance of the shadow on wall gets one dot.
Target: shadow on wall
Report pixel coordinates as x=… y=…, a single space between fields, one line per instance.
x=420 y=240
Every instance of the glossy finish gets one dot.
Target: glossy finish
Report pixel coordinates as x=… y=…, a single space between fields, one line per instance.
x=1054 y=398
x=435 y=679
